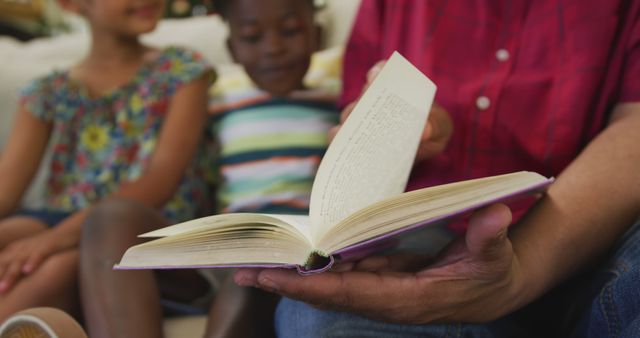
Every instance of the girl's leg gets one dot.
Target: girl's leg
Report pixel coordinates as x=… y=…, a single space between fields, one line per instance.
x=241 y=312
x=120 y=303
x=17 y=227
x=54 y=283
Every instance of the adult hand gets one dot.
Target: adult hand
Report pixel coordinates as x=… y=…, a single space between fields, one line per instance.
x=475 y=280
x=22 y=257
x=437 y=132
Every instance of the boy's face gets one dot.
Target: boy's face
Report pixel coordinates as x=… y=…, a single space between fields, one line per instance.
x=273 y=40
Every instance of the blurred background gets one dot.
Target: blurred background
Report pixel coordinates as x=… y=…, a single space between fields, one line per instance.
x=28 y=19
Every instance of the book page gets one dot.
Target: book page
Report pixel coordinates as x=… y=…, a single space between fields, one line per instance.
x=429 y=205
x=294 y=223
x=371 y=156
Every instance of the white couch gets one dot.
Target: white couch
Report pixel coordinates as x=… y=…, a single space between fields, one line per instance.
x=21 y=62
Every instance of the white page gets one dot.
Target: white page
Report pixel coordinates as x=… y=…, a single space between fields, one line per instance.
x=298 y=222
x=371 y=157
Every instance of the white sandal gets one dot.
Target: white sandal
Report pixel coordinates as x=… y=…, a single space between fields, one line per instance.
x=42 y=322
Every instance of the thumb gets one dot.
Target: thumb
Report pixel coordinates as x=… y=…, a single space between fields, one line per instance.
x=375 y=70
x=487 y=233
x=332 y=133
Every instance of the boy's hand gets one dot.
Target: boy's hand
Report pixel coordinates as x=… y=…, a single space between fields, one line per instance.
x=22 y=257
x=437 y=131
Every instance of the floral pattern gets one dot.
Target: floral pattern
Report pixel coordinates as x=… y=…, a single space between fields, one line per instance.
x=98 y=143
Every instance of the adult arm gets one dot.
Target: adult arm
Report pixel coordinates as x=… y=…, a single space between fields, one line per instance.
x=488 y=274
x=593 y=202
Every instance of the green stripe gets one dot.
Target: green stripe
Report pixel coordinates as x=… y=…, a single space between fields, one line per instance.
x=274 y=141
x=232 y=193
x=256 y=114
x=270 y=184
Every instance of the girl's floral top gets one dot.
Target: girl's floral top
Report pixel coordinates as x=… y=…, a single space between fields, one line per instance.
x=97 y=143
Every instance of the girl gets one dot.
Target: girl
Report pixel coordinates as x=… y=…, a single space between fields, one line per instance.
x=124 y=122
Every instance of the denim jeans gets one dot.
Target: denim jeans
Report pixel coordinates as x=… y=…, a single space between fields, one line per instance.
x=602 y=303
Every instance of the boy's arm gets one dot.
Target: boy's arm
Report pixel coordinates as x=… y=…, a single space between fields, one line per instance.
x=20 y=158
x=591 y=204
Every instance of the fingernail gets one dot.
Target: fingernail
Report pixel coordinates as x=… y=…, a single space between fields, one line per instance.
x=3 y=286
x=502 y=234
x=343 y=267
x=242 y=280
x=267 y=284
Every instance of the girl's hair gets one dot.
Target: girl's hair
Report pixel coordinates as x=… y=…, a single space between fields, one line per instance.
x=222 y=6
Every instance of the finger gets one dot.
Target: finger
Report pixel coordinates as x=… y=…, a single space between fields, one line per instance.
x=355 y=291
x=390 y=296
x=343 y=266
x=375 y=70
x=427 y=134
x=372 y=74
x=332 y=132
x=487 y=232
x=375 y=263
x=347 y=111
x=246 y=277
x=436 y=134
x=33 y=261
x=408 y=262
x=401 y=262
x=10 y=277
x=439 y=125
x=3 y=269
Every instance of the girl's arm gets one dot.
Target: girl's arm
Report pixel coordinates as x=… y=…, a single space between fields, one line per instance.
x=20 y=159
x=176 y=147
x=174 y=151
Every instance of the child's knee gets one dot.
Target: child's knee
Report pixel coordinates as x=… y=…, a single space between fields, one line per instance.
x=62 y=266
x=109 y=218
x=117 y=221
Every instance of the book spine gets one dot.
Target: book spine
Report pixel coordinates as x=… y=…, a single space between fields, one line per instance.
x=317 y=262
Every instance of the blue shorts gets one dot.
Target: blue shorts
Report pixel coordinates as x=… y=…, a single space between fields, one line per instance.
x=48 y=217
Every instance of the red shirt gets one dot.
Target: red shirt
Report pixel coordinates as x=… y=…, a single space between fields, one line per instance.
x=527 y=83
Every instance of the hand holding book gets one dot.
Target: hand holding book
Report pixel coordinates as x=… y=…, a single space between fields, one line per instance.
x=472 y=269
x=437 y=131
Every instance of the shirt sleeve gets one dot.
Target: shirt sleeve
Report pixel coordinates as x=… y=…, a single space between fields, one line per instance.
x=37 y=98
x=185 y=66
x=362 y=50
x=630 y=87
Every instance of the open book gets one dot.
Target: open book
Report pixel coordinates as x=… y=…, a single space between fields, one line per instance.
x=357 y=200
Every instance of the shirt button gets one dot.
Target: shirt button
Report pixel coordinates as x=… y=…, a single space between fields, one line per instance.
x=483 y=103
x=502 y=54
